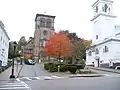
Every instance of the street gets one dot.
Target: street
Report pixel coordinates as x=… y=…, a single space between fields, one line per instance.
x=99 y=83
x=34 y=77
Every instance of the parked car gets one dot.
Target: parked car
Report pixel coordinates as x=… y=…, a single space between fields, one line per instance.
x=29 y=62
x=117 y=68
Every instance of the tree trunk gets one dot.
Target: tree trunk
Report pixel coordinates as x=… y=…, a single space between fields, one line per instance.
x=49 y=59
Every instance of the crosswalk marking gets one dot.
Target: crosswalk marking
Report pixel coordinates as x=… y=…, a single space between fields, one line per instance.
x=12 y=85
x=38 y=78
x=57 y=77
x=28 y=78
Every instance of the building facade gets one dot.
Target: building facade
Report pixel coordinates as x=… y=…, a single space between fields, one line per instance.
x=4 y=45
x=105 y=48
x=28 y=49
x=44 y=28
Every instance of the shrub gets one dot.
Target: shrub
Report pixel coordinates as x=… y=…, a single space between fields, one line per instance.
x=53 y=67
x=72 y=68
x=80 y=66
x=47 y=65
x=63 y=68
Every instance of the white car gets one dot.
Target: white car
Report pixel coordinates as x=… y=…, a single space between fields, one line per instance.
x=117 y=68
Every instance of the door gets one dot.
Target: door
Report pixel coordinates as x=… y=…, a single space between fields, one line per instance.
x=98 y=60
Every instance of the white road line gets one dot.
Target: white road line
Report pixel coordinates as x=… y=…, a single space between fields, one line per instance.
x=14 y=85
x=12 y=88
x=18 y=79
x=106 y=74
x=25 y=85
x=9 y=83
x=56 y=77
x=47 y=78
x=37 y=78
x=28 y=78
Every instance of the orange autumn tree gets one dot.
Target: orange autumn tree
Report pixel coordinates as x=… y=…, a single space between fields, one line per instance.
x=58 y=45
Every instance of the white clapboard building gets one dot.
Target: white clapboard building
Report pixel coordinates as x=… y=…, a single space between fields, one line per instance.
x=105 y=48
x=4 y=45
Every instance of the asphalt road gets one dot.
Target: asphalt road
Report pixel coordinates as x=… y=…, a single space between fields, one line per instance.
x=109 y=82
x=33 y=71
x=98 y=83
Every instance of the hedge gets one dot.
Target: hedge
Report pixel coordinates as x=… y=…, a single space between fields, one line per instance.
x=53 y=67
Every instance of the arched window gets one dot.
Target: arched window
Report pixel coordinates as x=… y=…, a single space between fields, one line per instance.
x=42 y=22
x=106 y=7
x=96 y=9
x=106 y=49
x=90 y=53
x=48 y=24
x=96 y=36
x=96 y=51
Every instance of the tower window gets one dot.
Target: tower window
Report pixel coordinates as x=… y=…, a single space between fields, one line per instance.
x=48 y=24
x=41 y=43
x=106 y=7
x=42 y=22
x=45 y=32
x=96 y=36
x=96 y=9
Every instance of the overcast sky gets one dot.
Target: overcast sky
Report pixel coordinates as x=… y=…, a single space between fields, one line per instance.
x=18 y=16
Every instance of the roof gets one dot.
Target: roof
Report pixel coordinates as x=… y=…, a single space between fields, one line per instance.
x=102 y=0
x=3 y=28
x=103 y=15
x=44 y=16
x=111 y=39
x=29 y=41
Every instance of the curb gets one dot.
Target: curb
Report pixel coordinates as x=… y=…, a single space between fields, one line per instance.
x=95 y=75
x=19 y=71
x=104 y=70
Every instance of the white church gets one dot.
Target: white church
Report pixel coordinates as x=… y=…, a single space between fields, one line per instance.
x=105 y=48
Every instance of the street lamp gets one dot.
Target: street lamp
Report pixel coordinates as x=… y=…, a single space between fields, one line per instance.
x=12 y=74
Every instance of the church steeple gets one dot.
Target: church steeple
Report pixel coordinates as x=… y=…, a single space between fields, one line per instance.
x=103 y=7
x=103 y=20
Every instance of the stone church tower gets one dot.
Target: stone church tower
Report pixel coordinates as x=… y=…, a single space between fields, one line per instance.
x=44 y=28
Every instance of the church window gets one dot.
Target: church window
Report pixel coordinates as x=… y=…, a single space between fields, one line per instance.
x=96 y=51
x=96 y=9
x=90 y=53
x=106 y=7
x=96 y=36
x=45 y=32
x=41 y=43
x=105 y=49
x=48 y=24
x=1 y=38
x=109 y=9
x=42 y=22
x=103 y=9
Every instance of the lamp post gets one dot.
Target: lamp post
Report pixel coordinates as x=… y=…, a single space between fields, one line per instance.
x=12 y=74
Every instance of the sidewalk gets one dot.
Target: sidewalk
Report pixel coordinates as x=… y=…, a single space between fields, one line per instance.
x=5 y=75
x=104 y=69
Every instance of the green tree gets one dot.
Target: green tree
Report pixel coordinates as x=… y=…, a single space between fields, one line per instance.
x=11 y=53
x=22 y=42
x=80 y=49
